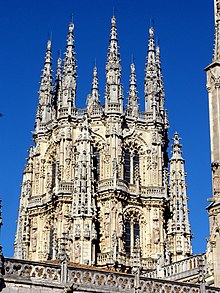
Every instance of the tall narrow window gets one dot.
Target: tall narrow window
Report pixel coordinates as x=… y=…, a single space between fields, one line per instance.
x=132 y=232
x=136 y=160
x=127 y=166
x=128 y=237
x=53 y=174
x=136 y=231
x=96 y=163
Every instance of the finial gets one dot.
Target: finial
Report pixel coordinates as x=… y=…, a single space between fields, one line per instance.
x=132 y=69
x=176 y=138
x=132 y=58
x=95 y=62
x=49 y=45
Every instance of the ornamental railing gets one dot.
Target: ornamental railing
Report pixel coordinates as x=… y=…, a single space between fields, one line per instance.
x=76 y=277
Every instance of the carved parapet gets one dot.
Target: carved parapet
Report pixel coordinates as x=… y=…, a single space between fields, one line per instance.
x=153 y=191
x=89 y=279
x=181 y=270
x=107 y=184
x=66 y=187
x=32 y=270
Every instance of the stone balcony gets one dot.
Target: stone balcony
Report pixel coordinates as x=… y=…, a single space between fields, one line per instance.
x=28 y=276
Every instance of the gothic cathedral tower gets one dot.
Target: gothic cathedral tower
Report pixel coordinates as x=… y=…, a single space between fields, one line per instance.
x=213 y=87
x=97 y=188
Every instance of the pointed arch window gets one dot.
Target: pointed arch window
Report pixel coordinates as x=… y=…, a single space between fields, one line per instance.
x=131 y=165
x=127 y=166
x=96 y=163
x=132 y=232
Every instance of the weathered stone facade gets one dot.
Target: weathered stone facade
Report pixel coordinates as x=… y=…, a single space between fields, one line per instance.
x=103 y=208
x=96 y=188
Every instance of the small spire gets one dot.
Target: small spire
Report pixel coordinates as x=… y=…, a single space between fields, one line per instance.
x=179 y=232
x=44 y=109
x=59 y=69
x=46 y=77
x=93 y=98
x=69 y=78
x=113 y=53
x=132 y=94
x=153 y=83
x=113 y=93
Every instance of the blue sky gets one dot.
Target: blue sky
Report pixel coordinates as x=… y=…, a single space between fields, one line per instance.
x=185 y=32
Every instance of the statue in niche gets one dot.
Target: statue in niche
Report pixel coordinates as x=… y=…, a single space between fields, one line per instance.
x=120 y=226
x=68 y=150
x=49 y=182
x=34 y=240
x=77 y=252
x=106 y=224
x=77 y=231
x=156 y=234
x=94 y=232
x=87 y=232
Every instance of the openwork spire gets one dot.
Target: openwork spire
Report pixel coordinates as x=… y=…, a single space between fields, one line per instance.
x=93 y=102
x=44 y=110
x=132 y=108
x=179 y=230
x=153 y=83
x=113 y=49
x=46 y=77
x=67 y=103
x=216 y=56
x=113 y=93
x=150 y=82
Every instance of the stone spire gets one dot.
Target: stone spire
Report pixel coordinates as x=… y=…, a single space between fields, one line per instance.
x=44 y=110
x=132 y=107
x=113 y=94
x=67 y=103
x=179 y=233
x=93 y=102
x=216 y=56
x=153 y=84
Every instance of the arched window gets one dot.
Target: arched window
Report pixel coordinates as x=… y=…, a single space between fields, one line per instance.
x=131 y=165
x=132 y=232
x=96 y=164
x=127 y=165
x=136 y=160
